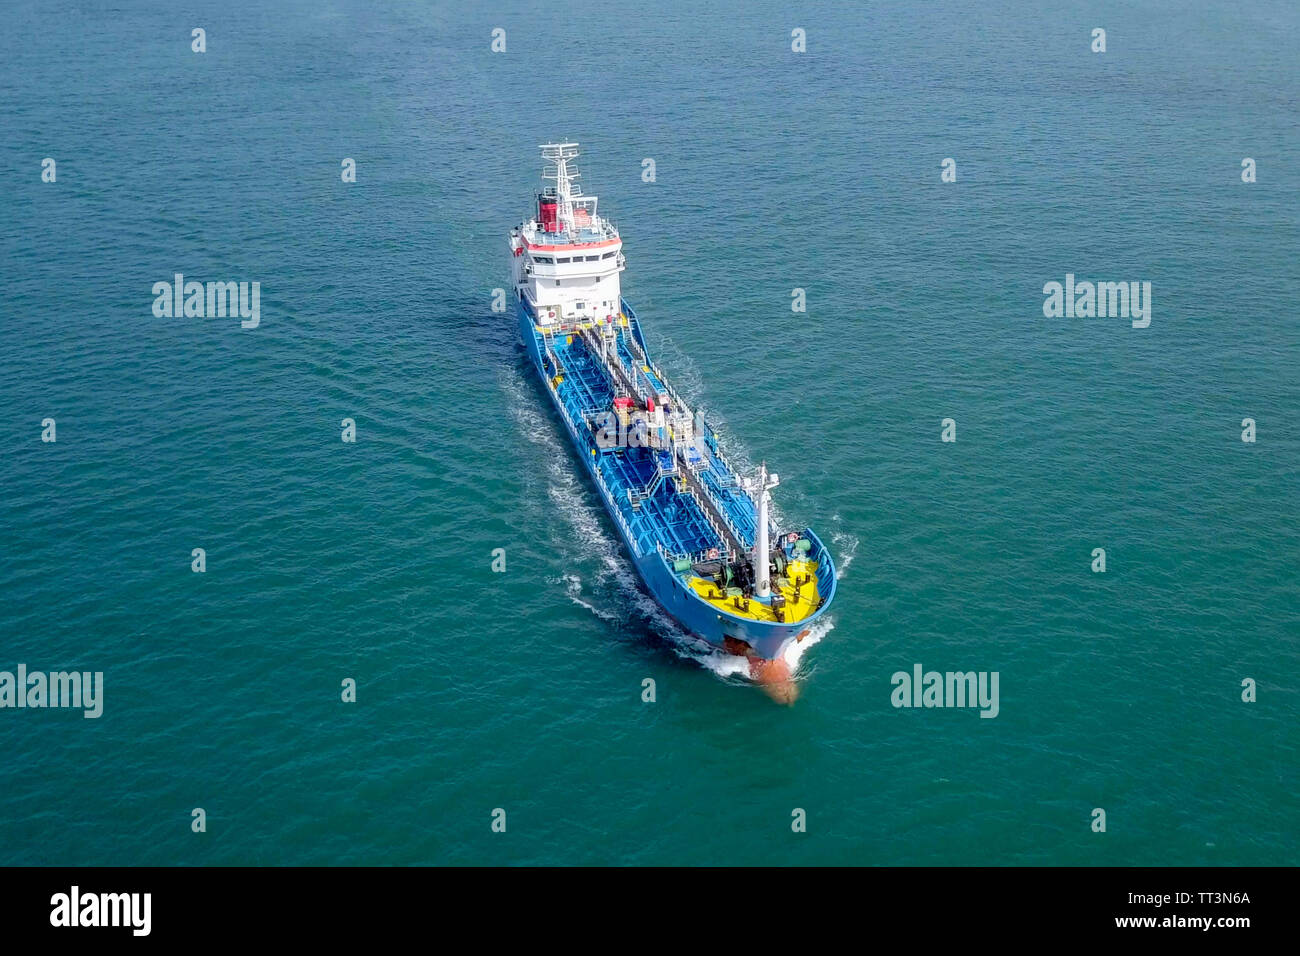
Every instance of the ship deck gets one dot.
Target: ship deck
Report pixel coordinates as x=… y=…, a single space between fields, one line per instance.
x=797 y=585
x=685 y=511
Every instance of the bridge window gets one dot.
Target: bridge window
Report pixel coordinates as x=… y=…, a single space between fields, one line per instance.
x=608 y=255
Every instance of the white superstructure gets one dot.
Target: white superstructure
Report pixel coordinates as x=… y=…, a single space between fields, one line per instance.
x=566 y=260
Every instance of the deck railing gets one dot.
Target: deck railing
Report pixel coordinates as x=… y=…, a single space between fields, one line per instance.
x=618 y=514
x=638 y=495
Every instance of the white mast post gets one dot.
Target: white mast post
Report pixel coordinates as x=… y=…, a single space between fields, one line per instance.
x=560 y=154
x=759 y=561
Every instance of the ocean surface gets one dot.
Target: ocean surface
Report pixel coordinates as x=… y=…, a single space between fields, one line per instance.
x=774 y=171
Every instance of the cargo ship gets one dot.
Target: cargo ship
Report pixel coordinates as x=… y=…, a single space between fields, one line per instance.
x=698 y=532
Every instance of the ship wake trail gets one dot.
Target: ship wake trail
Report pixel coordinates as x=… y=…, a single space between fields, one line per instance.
x=573 y=586
x=847 y=544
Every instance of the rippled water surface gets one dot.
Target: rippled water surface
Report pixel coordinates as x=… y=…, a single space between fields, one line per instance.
x=522 y=690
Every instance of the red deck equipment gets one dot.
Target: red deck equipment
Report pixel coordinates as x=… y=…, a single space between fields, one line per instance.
x=546 y=213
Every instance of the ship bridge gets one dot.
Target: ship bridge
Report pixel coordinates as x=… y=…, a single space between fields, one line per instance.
x=567 y=259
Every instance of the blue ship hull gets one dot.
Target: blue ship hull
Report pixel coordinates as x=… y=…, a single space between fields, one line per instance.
x=667 y=524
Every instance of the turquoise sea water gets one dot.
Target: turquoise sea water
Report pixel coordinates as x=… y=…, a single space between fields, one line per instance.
x=522 y=690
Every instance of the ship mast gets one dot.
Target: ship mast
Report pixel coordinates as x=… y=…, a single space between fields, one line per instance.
x=760 y=559
x=560 y=154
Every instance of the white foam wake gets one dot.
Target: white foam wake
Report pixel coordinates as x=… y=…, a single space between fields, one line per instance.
x=847 y=546
x=797 y=649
